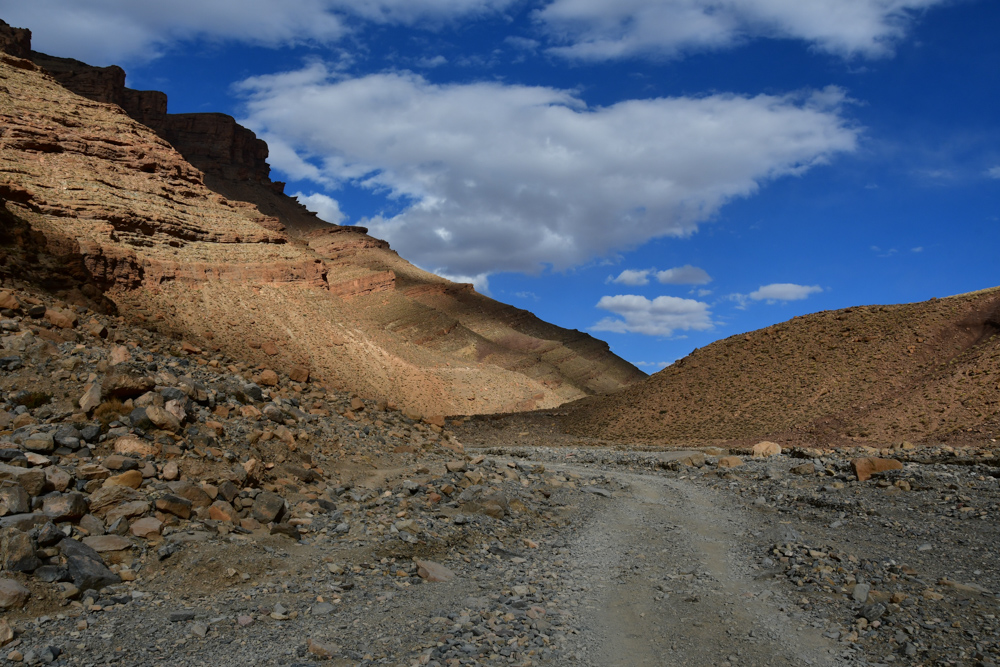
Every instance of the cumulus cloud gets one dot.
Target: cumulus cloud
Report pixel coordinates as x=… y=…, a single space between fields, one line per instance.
x=684 y=275
x=659 y=317
x=496 y=177
x=631 y=277
x=326 y=207
x=597 y=30
x=784 y=292
x=993 y=172
x=144 y=30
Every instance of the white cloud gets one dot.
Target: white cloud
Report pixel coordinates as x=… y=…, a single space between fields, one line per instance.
x=784 y=292
x=658 y=365
x=525 y=177
x=430 y=63
x=684 y=275
x=326 y=207
x=993 y=172
x=630 y=277
x=597 y=30
x=659 y=317
x=104 y=32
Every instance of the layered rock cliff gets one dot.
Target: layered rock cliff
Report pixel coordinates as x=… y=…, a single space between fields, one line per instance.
x=173 y=221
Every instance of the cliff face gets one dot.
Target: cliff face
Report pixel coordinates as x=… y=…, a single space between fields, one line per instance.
x=173 y=221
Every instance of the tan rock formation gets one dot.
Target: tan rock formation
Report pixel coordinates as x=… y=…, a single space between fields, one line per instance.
x=173 y=221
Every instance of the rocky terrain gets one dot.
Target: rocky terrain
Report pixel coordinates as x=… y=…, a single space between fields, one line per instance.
x=922 y=372
x=172 y=221
x=163 y=504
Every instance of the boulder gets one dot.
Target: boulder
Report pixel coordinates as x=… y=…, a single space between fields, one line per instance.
x=864 y=468
x=179 y=507
x=65 y=507
x=12 y=594
x=766 y=449
x=42 y=443
x=268 y=507
x=299 y=374
x=130 y=478
x=85 y=566
x=103 y=543
x=124 y=383
x=14 y=500
x=192 y=492
x=17 y=552
x=730 y=462
x=146 y=528
x=163 y=419
x=431 y=571
x=31 y=480
x=107 y=498
x=91 y=397
x=134 y=446
x=268 y=378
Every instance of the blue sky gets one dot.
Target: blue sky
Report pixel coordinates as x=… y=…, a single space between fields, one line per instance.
x=661 y=173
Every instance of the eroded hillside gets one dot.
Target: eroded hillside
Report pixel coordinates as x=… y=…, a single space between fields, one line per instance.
x=920 y=372
x=173 y=221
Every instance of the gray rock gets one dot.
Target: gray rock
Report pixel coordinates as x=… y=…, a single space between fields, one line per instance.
x=14 y=500
x=268 y=507
x=86 y=567
x=12 y=594
x=18 y=552
x=860 y=592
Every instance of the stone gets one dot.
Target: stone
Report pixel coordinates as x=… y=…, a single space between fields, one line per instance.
x=107 y=498
x=220 y=510
x=6 y=633
x=803 y=469
x=455 y=466
x=299 y=374
x=431 y=571
x=191 y=492
x=89 y=471
x=65 y=507
x=103 y=543
x=17 y=552
x=85 y=566
x=228 y=491
x=57 y=478
x=170 y=471
x=14 y=500
x=322 y=650
x=40 y=442
x=268 y=507
x=124 y=383
x=9 y=300
x=49 y=535
x=135 y=446
x=146 y=528
x=120 y=462
x=119 y=355
x=126 y=510
x=860 y=593
x=31 y=480
x=269 y=348
x=91 y=397
x=696 y=460
x=730 y=462
x=163 y=419
x=179 y=507
x=92 y=524
x=864 y=468
x=12 y=595
x=63 y=319
x=766 y=449
x=131 y=479
x=268 y=378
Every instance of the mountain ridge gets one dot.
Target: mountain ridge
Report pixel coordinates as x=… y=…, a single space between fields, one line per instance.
x=198 y=242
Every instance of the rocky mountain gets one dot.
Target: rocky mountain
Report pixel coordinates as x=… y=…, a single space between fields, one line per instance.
x=920 y=372
x=172 y=222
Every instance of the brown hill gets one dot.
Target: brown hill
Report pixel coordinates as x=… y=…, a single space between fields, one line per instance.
x=173 y=221
x=881 y=374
